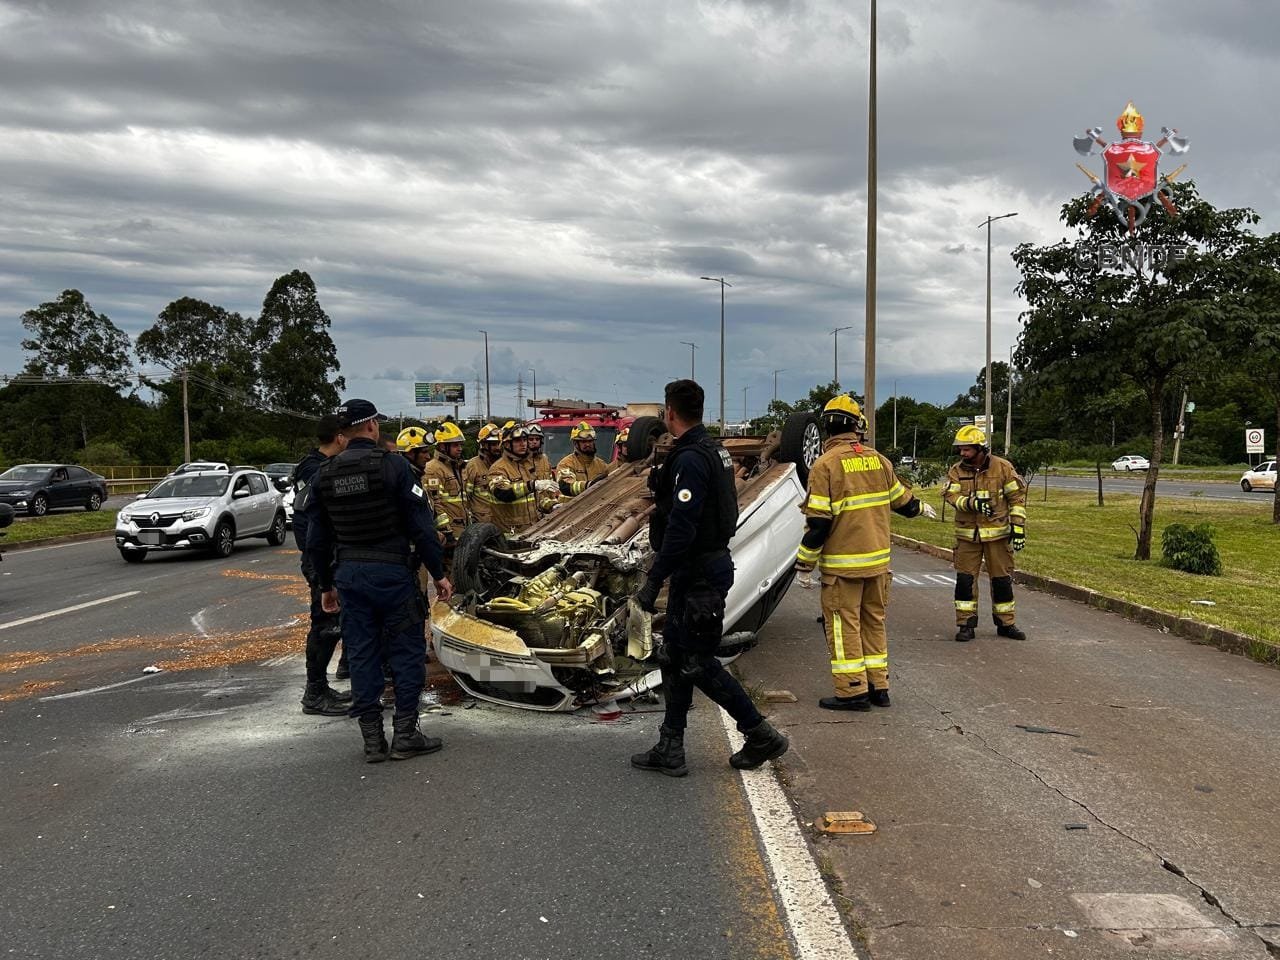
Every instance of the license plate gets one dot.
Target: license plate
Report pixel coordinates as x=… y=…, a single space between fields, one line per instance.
x=151 y=537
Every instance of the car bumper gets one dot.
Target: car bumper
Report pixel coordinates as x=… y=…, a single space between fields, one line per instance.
x=18 y=503
x=193 y=537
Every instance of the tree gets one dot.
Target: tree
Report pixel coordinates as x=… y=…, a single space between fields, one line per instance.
x=1090 y=330
x=1258 y=333
x=70 y=339
x=300 y=356
x=190 y=333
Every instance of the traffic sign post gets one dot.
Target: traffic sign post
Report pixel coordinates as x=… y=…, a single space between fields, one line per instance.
x=1255 y=440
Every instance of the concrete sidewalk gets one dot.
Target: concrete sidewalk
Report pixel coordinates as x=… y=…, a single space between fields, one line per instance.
x=1146 y=823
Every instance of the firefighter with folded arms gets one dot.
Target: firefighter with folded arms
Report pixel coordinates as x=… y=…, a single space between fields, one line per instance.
x=519 y=497
x=475 y=476
x=582 y=468
x=851 y=490
x=990 y=500
x=542 y=469
x=442 y=479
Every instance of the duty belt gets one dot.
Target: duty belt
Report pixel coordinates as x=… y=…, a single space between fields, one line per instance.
x=368 y=555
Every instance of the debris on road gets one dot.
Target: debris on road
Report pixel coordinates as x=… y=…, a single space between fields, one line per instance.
x=1031 y=729
x=1076 y=826
x=779 y=696
x=846 y=821
x=1205 y=603
x=151 y=669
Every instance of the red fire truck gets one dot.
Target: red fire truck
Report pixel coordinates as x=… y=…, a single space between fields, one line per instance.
x=560 y=415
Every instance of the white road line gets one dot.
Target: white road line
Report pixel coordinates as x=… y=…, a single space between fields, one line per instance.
x=942 y=578
x=811 y=917
x=899 y=578
x=109 y=686
x=58 y=613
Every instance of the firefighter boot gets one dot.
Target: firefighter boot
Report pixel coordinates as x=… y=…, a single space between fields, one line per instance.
x=965 y=633
x=375 y=739
x=1010 y=631
x=408 y=740
x=858 y=702
x=319 y=700
x=667 y=756
x=762 y=743
x=878 y=698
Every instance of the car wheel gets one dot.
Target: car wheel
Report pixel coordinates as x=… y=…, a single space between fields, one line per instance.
x=133 y=556
x=801 y=442
x=1246 y=486
x=224 y=539
x=473 y=570
x=95 y=502
x=39 y=505
x=276 y=535
x=644 y=433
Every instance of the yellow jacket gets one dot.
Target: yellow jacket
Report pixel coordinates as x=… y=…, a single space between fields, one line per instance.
x=475 y=477
x=516 y=504
x=852 y=488
x=998 y=480
x=575 y=472
x=442 y=479
x=542 y=467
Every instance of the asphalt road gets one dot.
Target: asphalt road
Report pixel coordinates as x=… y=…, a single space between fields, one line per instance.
x=1132 y=483
x=196 y=811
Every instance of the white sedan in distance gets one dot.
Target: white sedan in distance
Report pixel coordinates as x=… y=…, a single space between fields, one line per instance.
x=1261 y=477
x=1131 y=462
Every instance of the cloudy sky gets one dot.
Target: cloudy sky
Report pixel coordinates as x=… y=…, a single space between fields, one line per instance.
x=561 y=172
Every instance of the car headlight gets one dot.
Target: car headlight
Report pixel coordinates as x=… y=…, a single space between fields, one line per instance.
x=124 y=516
x=20 y=493
x=195 y=514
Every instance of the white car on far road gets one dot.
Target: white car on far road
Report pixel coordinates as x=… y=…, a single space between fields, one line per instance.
x=1131 y=462
x=1261 y=477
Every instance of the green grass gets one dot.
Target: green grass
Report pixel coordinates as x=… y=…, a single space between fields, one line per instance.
x=1070 y=538
x=59 y=525
x=1167 y=472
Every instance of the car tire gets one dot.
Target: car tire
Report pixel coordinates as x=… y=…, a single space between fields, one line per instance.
x=276 y=535
x=644 y=433
x=95 y=502
x=224 y=539
x=133 y=556
x=1246 y=486
x=801 y=442
x=39 y=505
x=469 y=574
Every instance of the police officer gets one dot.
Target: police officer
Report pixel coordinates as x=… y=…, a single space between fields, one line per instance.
x=324 y=632
x=695 y=516
x=369 y=507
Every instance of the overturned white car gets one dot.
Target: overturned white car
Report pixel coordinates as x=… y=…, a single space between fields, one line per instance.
x=547 y=622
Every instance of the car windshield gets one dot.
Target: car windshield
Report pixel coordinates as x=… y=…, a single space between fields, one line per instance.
x=190 y=487
x=25 y=473
x=279 y=468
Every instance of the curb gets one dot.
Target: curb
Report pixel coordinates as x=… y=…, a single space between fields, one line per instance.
x=1193 y=630
x=54 y=541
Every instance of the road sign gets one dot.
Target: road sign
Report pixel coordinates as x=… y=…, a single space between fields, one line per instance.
x=427 y=394
x=1255 y=440
x=980 y=421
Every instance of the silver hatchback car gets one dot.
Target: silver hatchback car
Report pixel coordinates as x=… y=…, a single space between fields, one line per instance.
x=207 y=510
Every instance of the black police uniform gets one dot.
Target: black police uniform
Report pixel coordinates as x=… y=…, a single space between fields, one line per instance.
x=369 y=506
x=325 y=632
x=695 y=517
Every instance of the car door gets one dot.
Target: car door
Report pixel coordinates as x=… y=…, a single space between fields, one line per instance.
x=1269 y=475
x=263 y=504
x=242 y=506
x=81 y=485
x=61 y=489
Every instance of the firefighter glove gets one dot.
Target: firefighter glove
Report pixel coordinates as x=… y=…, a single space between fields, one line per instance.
x=1018 y=539
x=926 y=510
x=547 y=485
x=647 y=596
x=982 y=503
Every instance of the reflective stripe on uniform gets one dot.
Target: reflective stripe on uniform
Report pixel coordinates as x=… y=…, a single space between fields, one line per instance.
x=1011 y=487
x=879 y=661
x=838 y=662
x=808 y=555
x=992 y=533
x=1018 y=512
x=862 y=501
x=953 y=488
x=896 y=491
x=966 y=606
x=819 y=503
x=854 y=561
x=1000 y=607
x=848 y=666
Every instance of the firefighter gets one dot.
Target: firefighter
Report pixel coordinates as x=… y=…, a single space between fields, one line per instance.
x=541 y=462
x=991 y=524
x=582 y=468
x=519 y=498
x=442 y=479
x=620 y=457
x=852 y=488
x=416 y=445
x=475 y=475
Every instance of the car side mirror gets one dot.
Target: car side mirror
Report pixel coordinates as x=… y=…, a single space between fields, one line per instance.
x=240 y=493
x=139 y=496
x=282 y=484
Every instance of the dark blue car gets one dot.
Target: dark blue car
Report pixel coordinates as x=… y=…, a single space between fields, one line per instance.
x=38 y=488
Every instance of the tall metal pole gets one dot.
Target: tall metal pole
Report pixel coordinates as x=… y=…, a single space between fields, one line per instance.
x=534 y=398
x=488 y=402
x=1008 y=417
x=723 y=284
x=186 y=421
x=869 y=362
x=744 y=403
x=895 y=414
x=987 y=401
x=692 y=347
x=775 y=383
x=835 y=356
x=1182 y=426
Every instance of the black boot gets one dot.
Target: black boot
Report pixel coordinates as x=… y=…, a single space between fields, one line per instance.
x=320 y=700
x=375 y=739
x=859 y=702
x=1010 y=631
x=878 y=698
x=667 y=756
x=344 y=670
x=762 y=743
x=342 y=696
x=408 y=740
x=966 y=631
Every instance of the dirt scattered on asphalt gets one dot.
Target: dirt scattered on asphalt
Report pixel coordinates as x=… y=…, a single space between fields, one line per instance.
x=29 y=689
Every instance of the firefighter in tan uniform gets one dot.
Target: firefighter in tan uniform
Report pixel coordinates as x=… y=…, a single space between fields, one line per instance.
x=442 y=479
x=416 y=445
x=475 y=476
x=991 y=523
x=541 y=462
x=519 y=498
x=852 y=488
x=582 y=468
x=620 y=455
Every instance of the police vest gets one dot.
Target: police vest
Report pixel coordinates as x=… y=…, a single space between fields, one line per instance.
x=719 y=519
x=358 y=499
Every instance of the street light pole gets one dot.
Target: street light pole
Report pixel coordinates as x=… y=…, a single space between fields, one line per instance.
x=987 y=223
x=895 y=414
x=775 y=383
x=744 y=403
x=488 y=405
x=692 y=347
x=535 y=384
x=835 y=356
x=869 y=361
x=723 y=283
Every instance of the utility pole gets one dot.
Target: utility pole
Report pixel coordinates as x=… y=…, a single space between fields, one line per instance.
x=914 y=432
x=1182 y=426
x=869 y=356
x=895 y=414
x=723 y=284
x=534 y=398
x=488 y=402
x=987 y=223
x=775 y=383
x=835 y=357
x=186 y=421
x=1008 y=417
x=520 y=395
x=692 y=347
x=744 y=403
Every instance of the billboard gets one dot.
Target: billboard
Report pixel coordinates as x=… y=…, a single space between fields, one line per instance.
x=427 y=394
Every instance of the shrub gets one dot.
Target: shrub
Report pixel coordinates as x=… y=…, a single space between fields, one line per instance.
x=1190 y=549
x=107 y=454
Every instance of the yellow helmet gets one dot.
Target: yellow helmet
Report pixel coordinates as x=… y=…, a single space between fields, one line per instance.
x=970 y=436
x=514 y=431
x=449 y=432
x=842 y=413
x=414 y=438
x=583 y=431
x=489 y=433
x=533 y=429
x=624 y=435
